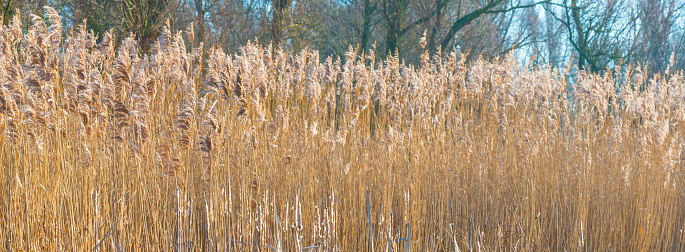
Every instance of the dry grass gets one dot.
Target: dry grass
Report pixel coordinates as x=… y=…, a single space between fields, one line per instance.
x=107 y=149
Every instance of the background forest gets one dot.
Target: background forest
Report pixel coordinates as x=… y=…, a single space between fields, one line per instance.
x=594 y=35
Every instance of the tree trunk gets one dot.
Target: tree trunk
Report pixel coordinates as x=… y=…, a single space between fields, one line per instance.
x=657 y=20
x=366 y=32
x=394 y=15
x=552 y=38
x=200 y=7
x=582 y=45
x=278 y=21
x=392 y=45
x=439 y=4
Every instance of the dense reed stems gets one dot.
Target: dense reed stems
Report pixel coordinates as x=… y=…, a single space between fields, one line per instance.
x=106 y=148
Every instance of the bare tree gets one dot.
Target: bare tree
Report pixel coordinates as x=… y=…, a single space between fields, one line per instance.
x=279 y=12
x=202 y=7
x=145 y=18
x=370 y=7
x=656 y=18
x=347 y=23
x=437 y=24
x=488 y=7
x=99 y=16
x=395 y=14
x=599 y=32
x=552 y=37
x=679 y=51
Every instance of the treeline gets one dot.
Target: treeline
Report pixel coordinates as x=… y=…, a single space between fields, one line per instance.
x=592 y=34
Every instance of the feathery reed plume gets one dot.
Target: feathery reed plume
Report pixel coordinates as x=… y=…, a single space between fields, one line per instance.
x=169 y=159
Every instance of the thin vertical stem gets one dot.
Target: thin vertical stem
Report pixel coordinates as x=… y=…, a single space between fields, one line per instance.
x=368 y=210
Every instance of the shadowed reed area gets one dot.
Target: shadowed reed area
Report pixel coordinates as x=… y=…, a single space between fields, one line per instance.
x=184 y=149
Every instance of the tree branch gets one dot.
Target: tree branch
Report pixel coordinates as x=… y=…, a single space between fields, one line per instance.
x=465 y=20
x=516 y=7
x=418 y=22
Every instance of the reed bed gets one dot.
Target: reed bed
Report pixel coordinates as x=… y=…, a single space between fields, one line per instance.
x=105 y=148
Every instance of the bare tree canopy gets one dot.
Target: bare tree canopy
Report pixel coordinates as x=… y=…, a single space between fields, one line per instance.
x=595 y=35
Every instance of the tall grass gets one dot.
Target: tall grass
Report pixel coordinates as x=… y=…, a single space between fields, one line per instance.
x=105 y=148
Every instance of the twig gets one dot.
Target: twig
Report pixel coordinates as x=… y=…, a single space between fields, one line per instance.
x=408 y=236
x=311 y=247
x=409 y=222
x=389 y=239
x=278 y=229
x=109 y=232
